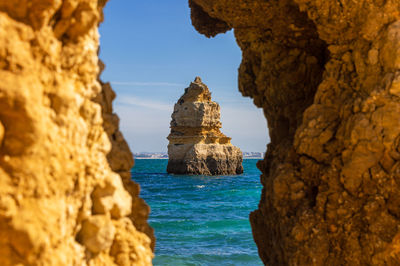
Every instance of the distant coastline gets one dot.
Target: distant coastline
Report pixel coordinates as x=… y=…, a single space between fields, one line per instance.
x=164 y=155
x=141 y=158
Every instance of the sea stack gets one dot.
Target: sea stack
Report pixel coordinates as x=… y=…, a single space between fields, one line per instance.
x=196 y=144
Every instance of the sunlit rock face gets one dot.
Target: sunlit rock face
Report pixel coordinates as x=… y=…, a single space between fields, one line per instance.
x=327 y=75
x=65 y=199
x=196 y=144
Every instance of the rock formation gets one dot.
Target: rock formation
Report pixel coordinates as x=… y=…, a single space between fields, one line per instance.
x=325 y=72
x=65 y=199
x=327 y=75
x=196 y=144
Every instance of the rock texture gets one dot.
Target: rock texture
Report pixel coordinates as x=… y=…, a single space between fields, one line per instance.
x=327 y=75
x=196 y=144
x=65 y=199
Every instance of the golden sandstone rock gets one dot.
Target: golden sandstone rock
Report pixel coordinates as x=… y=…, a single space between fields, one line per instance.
x=1 y=133
x=97 y=233
x=326 y=74
x=196 y=144
x=65 y=199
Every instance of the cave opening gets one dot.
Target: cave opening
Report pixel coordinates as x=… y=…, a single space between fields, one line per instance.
x=329 y=196
x=149 y=68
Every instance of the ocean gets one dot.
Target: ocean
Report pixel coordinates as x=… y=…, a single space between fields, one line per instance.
x=200 y=220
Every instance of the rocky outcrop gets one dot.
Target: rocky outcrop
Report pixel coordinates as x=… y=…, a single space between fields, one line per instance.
x=196 y=144
x=327 y=75
x=65 y=199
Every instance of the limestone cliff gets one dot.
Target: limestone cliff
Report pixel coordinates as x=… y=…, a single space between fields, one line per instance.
x=65 y=199
x=196 y=144
x=327 y=75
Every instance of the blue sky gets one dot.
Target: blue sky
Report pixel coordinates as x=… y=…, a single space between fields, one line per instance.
x=152 y=52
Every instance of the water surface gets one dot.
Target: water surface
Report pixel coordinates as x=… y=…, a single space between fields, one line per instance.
x=200 y=220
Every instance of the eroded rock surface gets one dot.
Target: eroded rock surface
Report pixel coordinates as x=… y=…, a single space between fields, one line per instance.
x=65 y=199
x=196 y=144
x=327 y=75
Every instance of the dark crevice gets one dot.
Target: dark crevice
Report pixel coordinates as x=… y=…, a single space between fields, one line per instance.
x=313 y=196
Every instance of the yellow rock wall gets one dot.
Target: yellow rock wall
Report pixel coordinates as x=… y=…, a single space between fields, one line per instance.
x=326 y=74
x=64 y=198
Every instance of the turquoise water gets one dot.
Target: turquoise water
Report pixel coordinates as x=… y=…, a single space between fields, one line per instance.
x=200 y=220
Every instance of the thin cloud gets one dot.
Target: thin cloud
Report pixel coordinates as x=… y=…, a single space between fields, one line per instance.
x=146 y=84
x=129 y=100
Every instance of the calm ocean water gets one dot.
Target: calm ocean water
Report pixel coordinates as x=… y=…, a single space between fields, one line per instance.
x=200 y=220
